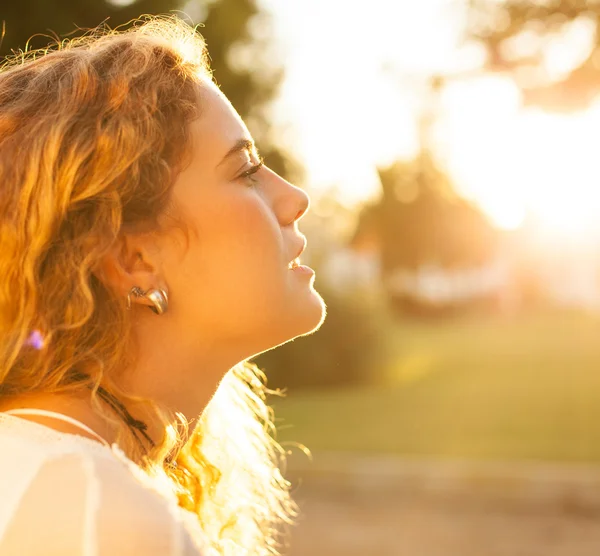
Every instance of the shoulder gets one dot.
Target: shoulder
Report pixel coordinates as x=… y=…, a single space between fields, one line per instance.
x=92 y=503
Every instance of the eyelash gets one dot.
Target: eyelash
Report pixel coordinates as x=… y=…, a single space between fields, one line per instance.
x=251 y=171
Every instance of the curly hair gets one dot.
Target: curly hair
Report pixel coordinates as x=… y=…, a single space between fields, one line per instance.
x=93 y=132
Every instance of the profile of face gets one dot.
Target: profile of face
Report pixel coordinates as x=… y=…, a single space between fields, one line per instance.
x=229 y=282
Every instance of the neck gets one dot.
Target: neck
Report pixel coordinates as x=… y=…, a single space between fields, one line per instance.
x=185 y=386
x=179 y=378
x=179 y=373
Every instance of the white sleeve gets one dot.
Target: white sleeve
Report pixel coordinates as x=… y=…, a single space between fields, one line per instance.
x=78 y=505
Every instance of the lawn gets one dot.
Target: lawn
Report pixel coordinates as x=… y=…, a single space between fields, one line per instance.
x=524 y=387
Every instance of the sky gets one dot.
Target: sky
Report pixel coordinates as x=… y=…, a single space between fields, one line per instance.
x=356 y=84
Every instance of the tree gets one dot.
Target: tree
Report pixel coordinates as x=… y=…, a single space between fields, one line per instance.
x=519 y=37
x=36 y=22
x=422 y=220
x=236 y=31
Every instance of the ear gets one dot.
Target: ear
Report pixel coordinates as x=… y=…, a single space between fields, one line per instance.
x=133 y=260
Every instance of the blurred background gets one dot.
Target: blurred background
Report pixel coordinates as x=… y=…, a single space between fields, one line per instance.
x=451 y=400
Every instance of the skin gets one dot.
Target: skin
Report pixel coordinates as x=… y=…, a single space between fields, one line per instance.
x=231 y=293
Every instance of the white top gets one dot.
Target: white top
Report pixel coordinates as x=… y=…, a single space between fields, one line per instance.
x=64 y=494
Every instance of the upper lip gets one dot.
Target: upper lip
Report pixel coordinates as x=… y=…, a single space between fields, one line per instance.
x=301 y=249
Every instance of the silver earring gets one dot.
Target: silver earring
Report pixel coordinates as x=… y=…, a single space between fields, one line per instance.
x=138 y=292
x=157 y=296
x=159 y=299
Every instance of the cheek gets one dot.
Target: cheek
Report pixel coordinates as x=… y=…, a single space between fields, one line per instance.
x=242 y=231
x=235 y=257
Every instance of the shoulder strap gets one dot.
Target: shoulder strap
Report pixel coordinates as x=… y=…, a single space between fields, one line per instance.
x=56 y=415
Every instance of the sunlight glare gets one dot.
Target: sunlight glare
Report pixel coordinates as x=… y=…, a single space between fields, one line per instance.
x=351 y=115
x=569 y=49
x=514 y=161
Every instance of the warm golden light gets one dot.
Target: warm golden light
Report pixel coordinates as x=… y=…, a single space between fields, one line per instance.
x=354 y=114
x=515 y=161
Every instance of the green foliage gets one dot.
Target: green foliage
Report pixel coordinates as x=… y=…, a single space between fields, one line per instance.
x=485 y=388
x=496 y=25
x=350 y=348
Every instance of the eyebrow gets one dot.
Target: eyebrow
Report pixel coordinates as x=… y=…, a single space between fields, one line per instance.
x=240 y=145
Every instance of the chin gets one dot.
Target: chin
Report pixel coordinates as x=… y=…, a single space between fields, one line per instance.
x=300 y=320
x=316 y=314
x=306 y=319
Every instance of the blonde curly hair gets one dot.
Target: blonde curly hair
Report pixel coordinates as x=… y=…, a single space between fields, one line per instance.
x=93 y=133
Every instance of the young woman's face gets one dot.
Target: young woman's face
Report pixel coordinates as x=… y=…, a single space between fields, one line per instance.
x=231 y=285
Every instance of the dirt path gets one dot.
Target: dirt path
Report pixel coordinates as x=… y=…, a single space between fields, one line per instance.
x=392 y=507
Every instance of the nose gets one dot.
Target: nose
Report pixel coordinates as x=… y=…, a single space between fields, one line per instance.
x=290 y=202
x=303 y=202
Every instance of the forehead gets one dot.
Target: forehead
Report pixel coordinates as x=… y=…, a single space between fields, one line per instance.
x=219 y=126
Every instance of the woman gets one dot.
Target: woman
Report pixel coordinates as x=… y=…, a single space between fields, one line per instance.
x=147 y=253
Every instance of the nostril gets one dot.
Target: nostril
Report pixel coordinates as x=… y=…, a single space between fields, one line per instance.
x=301 y=212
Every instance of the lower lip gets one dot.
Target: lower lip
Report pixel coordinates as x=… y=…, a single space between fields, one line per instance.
x=302 y=269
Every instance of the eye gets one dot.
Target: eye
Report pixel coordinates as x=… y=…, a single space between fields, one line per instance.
x=248 y=174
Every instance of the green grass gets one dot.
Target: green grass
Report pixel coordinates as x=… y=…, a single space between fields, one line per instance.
x=489 y=388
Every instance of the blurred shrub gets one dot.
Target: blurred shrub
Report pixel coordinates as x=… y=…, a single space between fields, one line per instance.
x=351 y=347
